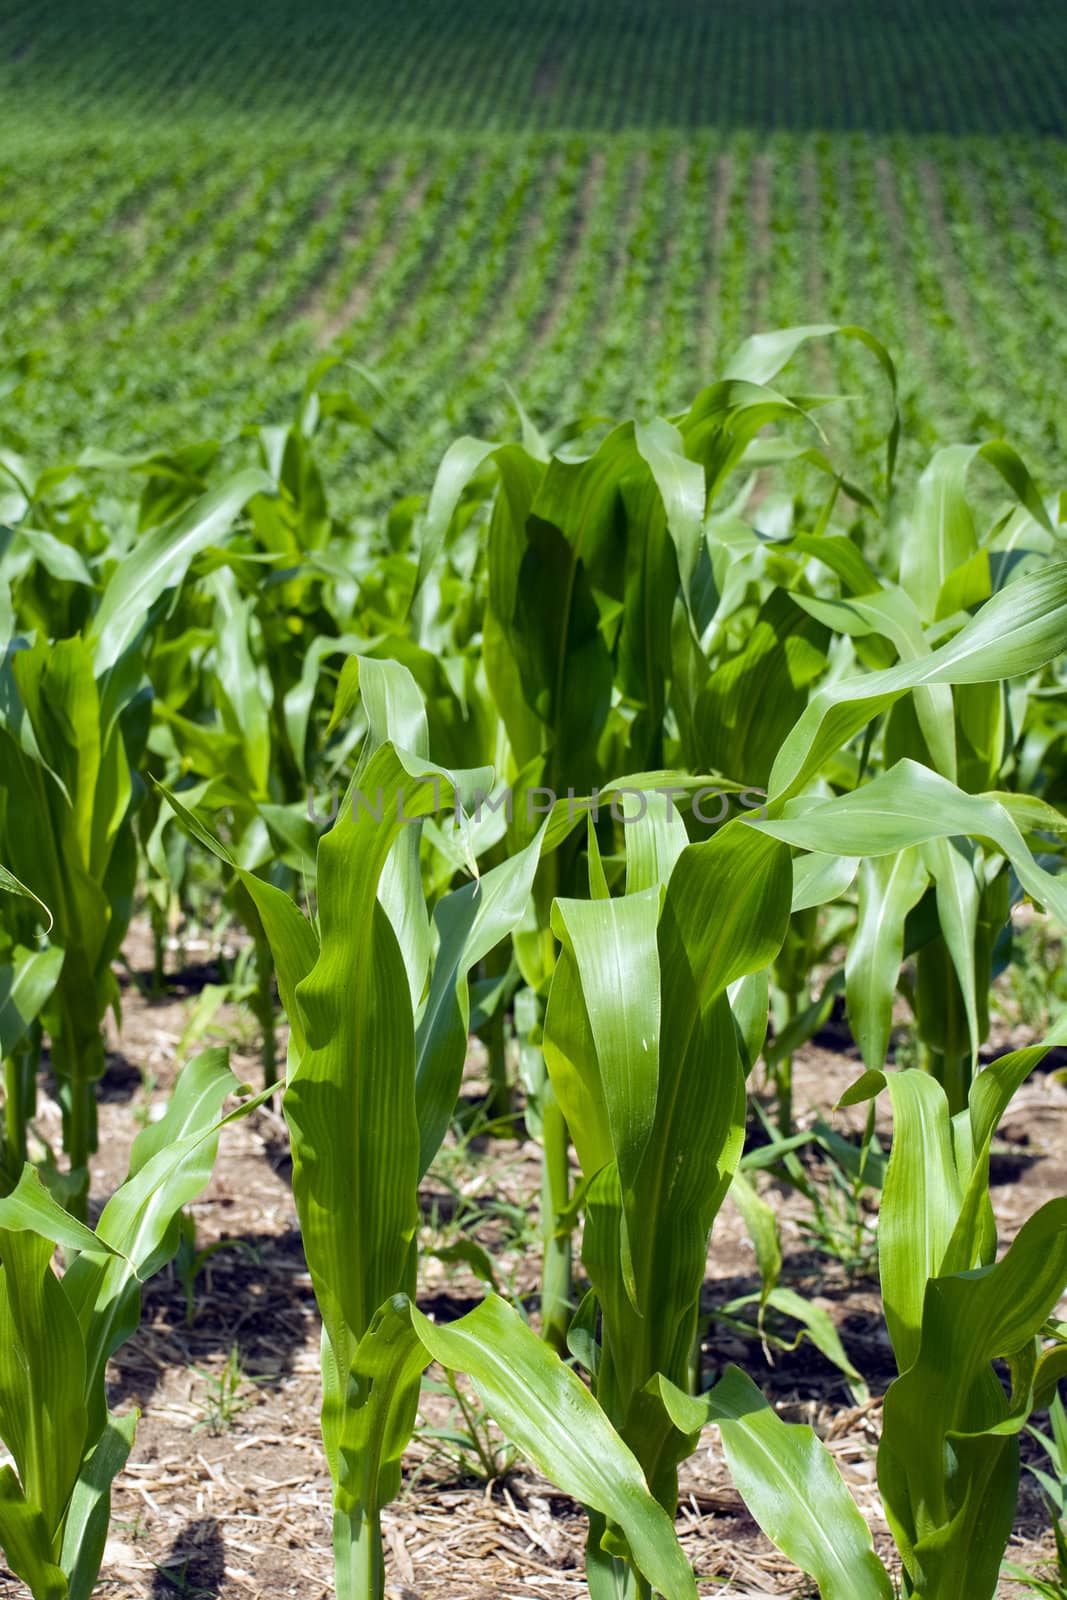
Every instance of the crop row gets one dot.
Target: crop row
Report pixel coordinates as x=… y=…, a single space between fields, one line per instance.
x=166 y=286
x=954 y=66
x=653 y=750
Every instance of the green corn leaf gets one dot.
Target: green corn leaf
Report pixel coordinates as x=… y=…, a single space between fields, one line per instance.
x=470 y=922
x=889 y=887
x=910 y=805
x=61 y=561
x=89 y=1514
x=574 y=1070
x=540 y=1405
x=817 y=1325
x=42 y=1375
x=958 y=910
x=25 y=1541
x=350 y=1101
x=818 y=879
x=547 y=1412
x=140 y=1221
x=654 y=841
x=921 y=1201
x=30 y=1208
x=948 y=1462
x=396 y=712
x=680 y=483
x=942 y=536
x=974 y=1237
x=751 y=700
x=1021 y=629
x=196 y=1103
x=25 y=986
x=9 y=884
x=613 y=946
x=241 y=693
x=160 y=560
x=732 y=906
x=762 y=1227
x=891 y=615
x=790 y=1483
x=293 y=942
x=763 y=356
x=461 y=461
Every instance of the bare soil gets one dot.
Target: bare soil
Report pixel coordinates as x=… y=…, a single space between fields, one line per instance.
x=226 y=1493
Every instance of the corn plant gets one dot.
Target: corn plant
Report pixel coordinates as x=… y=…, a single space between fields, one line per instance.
x=948 y=1461
x=1017 y=632
x=73 y=726
x=601 y=611
x=58 y=1333
x=945 y=905
x=368 y=1097
x=643 y=1051
x=28 y=977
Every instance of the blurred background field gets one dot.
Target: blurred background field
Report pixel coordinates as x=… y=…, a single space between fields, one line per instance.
x=592 y=203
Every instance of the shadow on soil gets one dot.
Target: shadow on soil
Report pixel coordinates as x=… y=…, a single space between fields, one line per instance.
x=195 y=1565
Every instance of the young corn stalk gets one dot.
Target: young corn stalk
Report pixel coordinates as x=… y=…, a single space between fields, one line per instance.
x=600 y=597
x=378 y=1030
x=645 y=1058
x=73 y=726
x=57 y=1334
x=948 y=1460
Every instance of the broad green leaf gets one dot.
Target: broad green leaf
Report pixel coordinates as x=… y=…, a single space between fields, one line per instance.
x=26 y=1543
x=9 y=884
x=752 y=699
x=958 y=909
x=818 y=879
x=763 y=356
x=89 y=1514
x=293 y=942
x=790 y=1483
x=654 y=840
x=942 y=536
x=1021 y=629
x=761 y=1225
x=547 y=1412
x=910 y=805
x=889 y=887
x=350 y=1101
x=921 y=1201
x=196 y=1102
x=613 y=946
x=680 y=483
x=892 y=615
x=160 y=559
x=30 y=1208
x=470 y=922
x=59 y=560
x=140 y=1222
x=948 y=1461
x=42 y=1375
x=25 y=986
x=461 y=461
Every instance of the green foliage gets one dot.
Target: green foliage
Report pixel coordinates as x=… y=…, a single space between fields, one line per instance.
x=259 y=708
x=590 y=204
x=58 y=1334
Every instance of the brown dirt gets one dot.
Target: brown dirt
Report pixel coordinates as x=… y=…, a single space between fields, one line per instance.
x=238 y=1506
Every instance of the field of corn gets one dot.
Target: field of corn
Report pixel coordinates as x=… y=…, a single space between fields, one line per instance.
x=533 y=801
x=593 y=203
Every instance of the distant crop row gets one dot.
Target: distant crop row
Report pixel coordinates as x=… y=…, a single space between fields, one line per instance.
x=181 y=284
x=951 y=66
